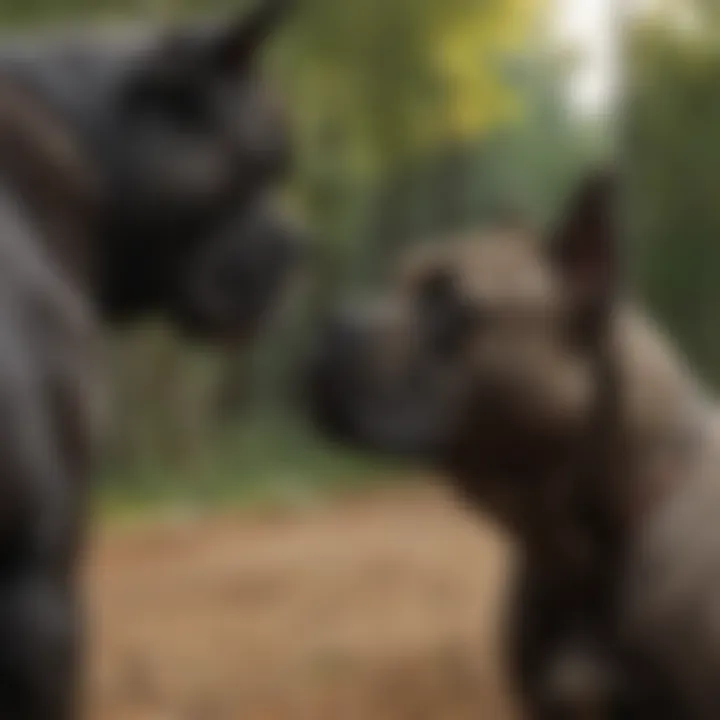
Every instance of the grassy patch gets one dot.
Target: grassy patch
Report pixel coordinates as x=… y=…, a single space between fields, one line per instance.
x=269 y=461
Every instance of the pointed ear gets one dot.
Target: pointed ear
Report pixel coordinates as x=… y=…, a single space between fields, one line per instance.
x=235 y=44
x=585 y=249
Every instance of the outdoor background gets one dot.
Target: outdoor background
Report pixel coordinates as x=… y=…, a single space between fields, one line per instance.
x=244 y=569
x=412 y=119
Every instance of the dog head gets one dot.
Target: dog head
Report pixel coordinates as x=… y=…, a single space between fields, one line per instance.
x=484 y=354
x=187 y=144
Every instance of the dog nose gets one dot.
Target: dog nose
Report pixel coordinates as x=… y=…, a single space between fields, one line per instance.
x=340 y=345
x=337 y=347
x=328 y=373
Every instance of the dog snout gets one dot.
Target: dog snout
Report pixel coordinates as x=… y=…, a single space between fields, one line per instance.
x=333 y=371
x=339 y=345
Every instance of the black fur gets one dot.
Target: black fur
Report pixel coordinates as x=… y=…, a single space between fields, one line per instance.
x=134 y=180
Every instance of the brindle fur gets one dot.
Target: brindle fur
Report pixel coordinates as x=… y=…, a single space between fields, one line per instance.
x=555 y=405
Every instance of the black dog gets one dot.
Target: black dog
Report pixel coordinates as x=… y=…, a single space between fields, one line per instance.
x=135 y=179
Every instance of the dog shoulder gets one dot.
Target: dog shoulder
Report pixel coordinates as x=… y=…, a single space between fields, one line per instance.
x=658 y=388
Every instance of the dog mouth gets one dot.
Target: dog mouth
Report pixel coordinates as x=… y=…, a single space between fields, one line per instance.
x=346 y=406
x=391 y=429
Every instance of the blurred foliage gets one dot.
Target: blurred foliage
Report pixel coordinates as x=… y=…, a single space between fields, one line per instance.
x=700 y=16
x=671 y=151
x=412 y=118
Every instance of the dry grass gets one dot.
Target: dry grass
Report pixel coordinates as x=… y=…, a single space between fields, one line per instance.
x=378 y=609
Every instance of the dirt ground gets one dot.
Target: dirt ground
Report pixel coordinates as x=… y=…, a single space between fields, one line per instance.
x=382 y=608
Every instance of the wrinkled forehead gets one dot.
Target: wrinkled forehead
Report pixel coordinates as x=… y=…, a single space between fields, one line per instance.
x=494 y=267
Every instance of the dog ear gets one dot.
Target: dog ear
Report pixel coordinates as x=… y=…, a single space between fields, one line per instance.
x=585 y=249
x=187 y=57
x=233 y=46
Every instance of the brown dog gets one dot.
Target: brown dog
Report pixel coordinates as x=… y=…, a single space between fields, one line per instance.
x=517 y=366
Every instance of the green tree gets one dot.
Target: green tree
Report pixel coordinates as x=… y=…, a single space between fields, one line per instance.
x=671 y=152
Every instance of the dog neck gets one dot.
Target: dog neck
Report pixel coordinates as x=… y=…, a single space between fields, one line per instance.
x=46 y=170
x=649 y=435
x=666 y=418
x=575 y=508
